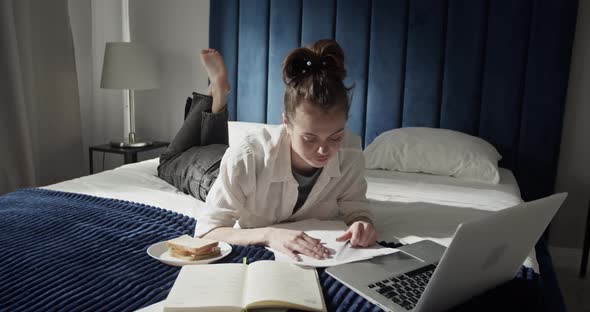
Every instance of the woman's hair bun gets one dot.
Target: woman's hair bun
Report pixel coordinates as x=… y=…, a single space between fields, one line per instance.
x=315 y=74
x=323 y=60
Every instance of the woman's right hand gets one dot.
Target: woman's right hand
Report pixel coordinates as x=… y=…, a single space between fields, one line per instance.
x=292 y=242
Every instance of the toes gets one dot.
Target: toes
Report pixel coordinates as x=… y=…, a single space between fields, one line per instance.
x=208 y=51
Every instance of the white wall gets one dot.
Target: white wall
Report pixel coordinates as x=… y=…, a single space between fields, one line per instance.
x=176 y=30
x=573 y=175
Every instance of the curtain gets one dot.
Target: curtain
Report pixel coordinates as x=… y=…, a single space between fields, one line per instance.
x=40 y=131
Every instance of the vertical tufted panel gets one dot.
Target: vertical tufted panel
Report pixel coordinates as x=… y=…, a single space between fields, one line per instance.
x=285 y=33
x=352 y=33
x=544 y=94
x=253 y=60
x=503 y=77
x=497 y=69
x=318 y=20
x=387 y=66
x=467 y=21
x=424 y=63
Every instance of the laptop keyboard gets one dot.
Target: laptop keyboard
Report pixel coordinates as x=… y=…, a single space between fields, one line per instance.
x=405 y=289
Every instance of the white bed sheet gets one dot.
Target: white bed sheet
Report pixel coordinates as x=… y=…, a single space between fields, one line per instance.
x=138 y=183
x=412 y=187
x=408 y=207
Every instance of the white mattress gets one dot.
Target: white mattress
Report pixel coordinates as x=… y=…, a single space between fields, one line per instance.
x=412 y=187
x=137 y=182
x=408 y=207
x=411 y=206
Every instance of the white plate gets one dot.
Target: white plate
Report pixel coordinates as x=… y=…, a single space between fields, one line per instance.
x=159 y=251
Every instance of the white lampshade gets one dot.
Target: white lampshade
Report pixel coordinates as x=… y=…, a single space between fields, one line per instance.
x=128 y=65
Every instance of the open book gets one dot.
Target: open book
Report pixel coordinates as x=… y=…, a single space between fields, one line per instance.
x=237 y=287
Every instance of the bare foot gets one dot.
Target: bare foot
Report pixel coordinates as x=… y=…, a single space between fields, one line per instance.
x=215 y=67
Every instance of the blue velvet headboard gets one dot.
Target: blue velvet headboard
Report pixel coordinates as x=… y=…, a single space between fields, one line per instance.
x=497 y=69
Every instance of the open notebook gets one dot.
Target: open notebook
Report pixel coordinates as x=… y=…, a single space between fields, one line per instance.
x=238 y=287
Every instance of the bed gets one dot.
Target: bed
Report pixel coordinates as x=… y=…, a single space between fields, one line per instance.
x=128 y=208
x=407 y=207
x=493 y=69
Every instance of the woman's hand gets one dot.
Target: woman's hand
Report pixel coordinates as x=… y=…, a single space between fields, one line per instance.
x=292 y=242
x=360 y=234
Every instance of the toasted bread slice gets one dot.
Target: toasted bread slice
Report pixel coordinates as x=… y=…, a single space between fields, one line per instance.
x=193 y=245
x=188 y=253
x=175 y=253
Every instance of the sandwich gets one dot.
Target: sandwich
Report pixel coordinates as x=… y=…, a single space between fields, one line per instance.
x=193 y=248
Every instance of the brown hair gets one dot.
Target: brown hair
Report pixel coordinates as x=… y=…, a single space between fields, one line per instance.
x=315 y=74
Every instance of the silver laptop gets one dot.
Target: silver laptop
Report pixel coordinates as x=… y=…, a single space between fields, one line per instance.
x=427 y=277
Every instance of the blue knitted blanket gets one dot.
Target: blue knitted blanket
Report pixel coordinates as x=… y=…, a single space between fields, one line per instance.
x=73 y=252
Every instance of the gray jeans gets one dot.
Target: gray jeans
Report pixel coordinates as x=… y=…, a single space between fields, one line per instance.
x=191 y=161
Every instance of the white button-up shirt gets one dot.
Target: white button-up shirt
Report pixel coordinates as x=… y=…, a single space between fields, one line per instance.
x=256 y=188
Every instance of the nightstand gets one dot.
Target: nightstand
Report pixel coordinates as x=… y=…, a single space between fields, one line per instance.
x=129 y=153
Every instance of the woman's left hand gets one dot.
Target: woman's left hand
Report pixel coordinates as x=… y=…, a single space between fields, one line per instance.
x=360 y=234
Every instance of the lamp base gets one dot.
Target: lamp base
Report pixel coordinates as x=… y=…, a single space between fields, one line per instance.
x=127 y=144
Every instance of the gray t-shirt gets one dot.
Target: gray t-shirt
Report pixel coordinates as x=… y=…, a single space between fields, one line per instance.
x=306 y=183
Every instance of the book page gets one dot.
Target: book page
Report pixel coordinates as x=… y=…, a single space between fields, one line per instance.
x=271 y=283
x=202 y=287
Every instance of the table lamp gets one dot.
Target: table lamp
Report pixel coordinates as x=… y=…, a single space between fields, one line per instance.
x=129 y=66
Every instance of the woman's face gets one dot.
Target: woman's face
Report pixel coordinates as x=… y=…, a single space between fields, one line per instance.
x=316 y=135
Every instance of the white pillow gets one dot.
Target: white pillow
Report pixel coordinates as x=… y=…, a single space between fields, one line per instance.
x=238 y=130
x=435 y=151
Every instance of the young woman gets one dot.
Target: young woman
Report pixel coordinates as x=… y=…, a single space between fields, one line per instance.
x=286 y=173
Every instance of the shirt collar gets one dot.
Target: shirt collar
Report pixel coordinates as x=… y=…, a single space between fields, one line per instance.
x=283 y=162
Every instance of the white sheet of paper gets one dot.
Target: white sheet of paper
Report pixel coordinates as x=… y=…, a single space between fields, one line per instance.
x=328 y=231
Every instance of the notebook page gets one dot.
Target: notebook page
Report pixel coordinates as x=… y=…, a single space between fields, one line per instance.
x=207 y=286
x=271 y=281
